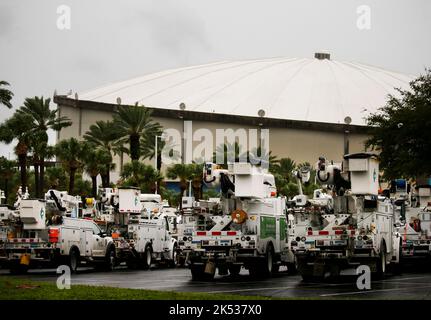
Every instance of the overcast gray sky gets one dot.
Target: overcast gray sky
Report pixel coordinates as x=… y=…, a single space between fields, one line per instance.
x=115 y=40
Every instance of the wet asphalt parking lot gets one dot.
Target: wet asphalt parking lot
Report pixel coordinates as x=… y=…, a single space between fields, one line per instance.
x=411 y=284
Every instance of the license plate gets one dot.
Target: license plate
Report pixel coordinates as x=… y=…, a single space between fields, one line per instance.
x=340 y=242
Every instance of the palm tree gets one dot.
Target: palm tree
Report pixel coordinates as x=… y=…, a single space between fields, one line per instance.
x=5 y=95
x=164 y=148
x=94 y=164
x=56 y=177
x=7 y=170
x=132 y=123
x=183 y=172
x=227 y=152
x=137 y=174
x=18 y=127
x=42 y=119
x=282 y=172
x=197 y=180
x=103 y=135
x=71 y=152
x=259 y=156
x=284 y=167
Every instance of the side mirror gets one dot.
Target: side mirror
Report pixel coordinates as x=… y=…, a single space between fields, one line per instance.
x=103 y=234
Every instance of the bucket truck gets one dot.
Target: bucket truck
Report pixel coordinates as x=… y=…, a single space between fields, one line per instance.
x=141 y=230
x=413 y=217
x=358 y=230
x=52 y=234
x=304 y=211
x=249 y=229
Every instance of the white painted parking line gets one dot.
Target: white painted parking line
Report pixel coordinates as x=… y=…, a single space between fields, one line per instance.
x=371 y=291
x=250 y=289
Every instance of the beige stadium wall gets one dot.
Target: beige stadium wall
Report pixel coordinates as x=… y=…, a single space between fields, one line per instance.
x=298 y=144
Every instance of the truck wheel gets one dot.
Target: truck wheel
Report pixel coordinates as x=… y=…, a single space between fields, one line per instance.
x=381 y=263
x=234 y=270
x=74 y=260
x=148 y=257
x=174 y=260
x=268 y=265
x=110 y=260
x=398 y=268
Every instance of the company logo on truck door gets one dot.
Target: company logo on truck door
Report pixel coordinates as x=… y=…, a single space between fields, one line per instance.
x=267 y=227
x=283 y=229
x=42 y=213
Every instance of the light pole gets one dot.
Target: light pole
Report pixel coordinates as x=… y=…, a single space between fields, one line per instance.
x=156 y=154
x=347 y=121
x=182 y=107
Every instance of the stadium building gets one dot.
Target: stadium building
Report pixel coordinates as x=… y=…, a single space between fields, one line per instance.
x=307 y=104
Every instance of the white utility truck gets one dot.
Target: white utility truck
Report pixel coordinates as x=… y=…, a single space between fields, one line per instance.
x=49 y=236
x=358 y=230
x=414 y=218
x=304 y=212
x=250 y=230
x=144 y=237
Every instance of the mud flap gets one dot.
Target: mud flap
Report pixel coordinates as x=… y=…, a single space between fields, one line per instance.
x=210 y=267
x=25 y=259
x=318 y=269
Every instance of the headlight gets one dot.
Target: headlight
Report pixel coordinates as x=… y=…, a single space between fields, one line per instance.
x=242 y=238
x=189 y=238
x=303 y=239
x=359 y=238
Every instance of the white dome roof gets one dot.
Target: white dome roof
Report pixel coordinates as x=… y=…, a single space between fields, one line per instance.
x=319 y=90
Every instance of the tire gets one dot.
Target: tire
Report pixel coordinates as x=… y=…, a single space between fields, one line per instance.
x=174 y=259
x=268 y=265
x=74 y=258
x=381 y=263
x=110 y=258
x=263 y=269
x=147 y=258
x=398 y=268
x=234 y=270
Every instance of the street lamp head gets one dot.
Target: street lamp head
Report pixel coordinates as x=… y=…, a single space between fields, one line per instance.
x=261 y=113
x=347 y=120
x=182 y=106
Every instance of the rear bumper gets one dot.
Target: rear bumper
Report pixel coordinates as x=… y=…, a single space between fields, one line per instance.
x=222 y=255
x=38 y=256
x=317 y=263
x=416 y=251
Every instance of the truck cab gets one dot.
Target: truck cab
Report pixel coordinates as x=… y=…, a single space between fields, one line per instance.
x=49 y=242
